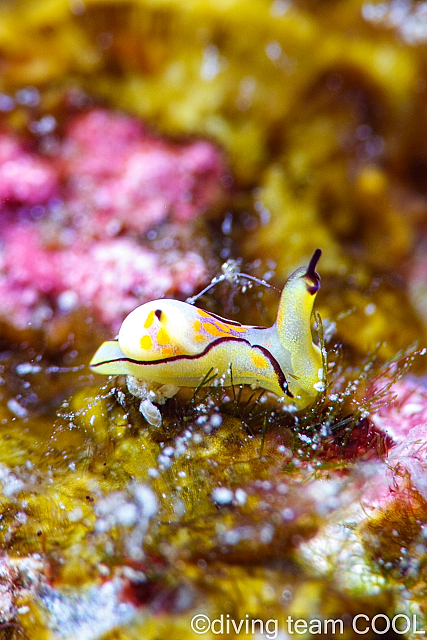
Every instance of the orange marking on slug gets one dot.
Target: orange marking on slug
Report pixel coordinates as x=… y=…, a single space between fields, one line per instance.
x=197 y=326
x=150 y=319
x=238 y=329
x=228 y=328
x=214 y=330
x=146 y=342
x=224 y=327
x=259 y=361
x=169 y=351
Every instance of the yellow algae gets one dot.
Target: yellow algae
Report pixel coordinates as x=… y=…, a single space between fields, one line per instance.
x=292 y=218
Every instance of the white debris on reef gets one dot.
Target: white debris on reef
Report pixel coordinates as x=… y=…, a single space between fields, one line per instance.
x=319 y=386
x=27 y=367
x=408 y=17
x=222 y=495
x=337 y=545
x=133 y=509
x=20 y=578
x=211 y=65
x=241 y=496
x=151 y=413
x=89 y=614
x=329 y=496
x=150 y=392
x=16 y=408
x=235 y=536
x=11 y=484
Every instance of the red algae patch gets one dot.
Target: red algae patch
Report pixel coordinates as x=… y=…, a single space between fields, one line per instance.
x=74 y=227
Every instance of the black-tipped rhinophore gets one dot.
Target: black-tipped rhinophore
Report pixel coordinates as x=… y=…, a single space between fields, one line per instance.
x=311 y=274
x=311 y=269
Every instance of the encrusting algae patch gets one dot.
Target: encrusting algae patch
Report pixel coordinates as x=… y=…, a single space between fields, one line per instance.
x=144 y=144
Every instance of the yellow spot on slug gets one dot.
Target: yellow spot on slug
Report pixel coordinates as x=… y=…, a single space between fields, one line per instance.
x=200 y=338
x=197 y=326
x=163 y=337
x=146 y=342
x=150 y=319
x=259 y=361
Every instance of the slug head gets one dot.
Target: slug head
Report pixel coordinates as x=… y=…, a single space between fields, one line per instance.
x=293 y=326
x=307 y=275
x=296 y=304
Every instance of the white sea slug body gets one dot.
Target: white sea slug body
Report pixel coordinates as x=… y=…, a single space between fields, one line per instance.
x=168 y=342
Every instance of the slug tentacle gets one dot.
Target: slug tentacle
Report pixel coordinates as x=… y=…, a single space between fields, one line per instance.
x=168 y=342
x=311 y=274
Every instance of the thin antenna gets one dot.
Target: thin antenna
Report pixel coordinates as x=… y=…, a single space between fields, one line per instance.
x=231 y=273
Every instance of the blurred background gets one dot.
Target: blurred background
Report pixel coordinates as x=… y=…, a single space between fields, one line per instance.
x=142 y=144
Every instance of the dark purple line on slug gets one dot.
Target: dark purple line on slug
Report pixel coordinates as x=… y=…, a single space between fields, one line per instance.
x=281 y=378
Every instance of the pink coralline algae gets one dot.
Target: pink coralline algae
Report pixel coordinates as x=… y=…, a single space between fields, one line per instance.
x=110 y=183
x=111 y=276
x=389 y=448
x=118 y=175
x=407 y=410
x=405 y=419
x=403 y=462
x=378 y=435
x=24 y=177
